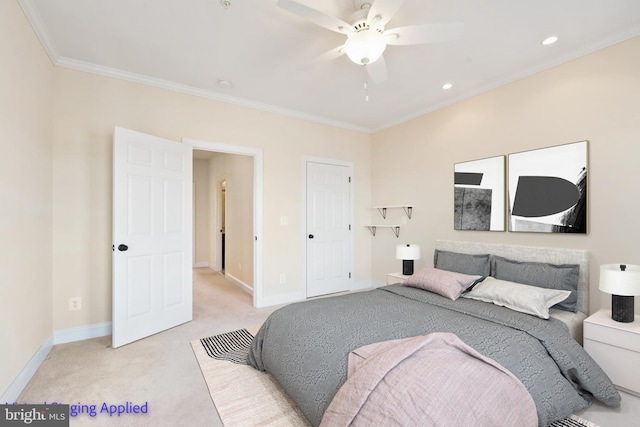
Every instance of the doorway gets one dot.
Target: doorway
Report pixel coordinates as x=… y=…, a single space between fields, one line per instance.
x=253 y=232
x=222 y=215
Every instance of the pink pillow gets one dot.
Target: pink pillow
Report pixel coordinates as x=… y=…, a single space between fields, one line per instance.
x=449 y=284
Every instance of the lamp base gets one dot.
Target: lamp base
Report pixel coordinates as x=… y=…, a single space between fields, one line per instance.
x=622 y=308
x=407 y=267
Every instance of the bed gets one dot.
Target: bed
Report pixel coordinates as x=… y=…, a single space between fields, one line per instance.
x=311 y=347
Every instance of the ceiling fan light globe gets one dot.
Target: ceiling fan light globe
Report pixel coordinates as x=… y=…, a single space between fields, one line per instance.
x=365 y=46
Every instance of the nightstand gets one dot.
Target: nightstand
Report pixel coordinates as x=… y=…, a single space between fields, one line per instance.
x=393 y=278
x=615 y=346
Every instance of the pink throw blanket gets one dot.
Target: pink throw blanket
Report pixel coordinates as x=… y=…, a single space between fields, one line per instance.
x=431 y=380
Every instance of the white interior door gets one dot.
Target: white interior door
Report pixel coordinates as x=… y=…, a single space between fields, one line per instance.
x=152 y=197
x=329 y=238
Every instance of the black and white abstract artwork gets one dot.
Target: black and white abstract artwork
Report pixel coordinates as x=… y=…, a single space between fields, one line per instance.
x=548 y=189
x=479 y=195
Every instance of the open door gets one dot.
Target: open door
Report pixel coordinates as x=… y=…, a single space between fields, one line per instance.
x=152 y=195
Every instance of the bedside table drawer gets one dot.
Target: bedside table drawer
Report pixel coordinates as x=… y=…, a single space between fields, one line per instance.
x=611 y=336
x=621 y=365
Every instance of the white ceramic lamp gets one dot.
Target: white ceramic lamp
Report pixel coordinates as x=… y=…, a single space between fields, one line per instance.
x=408 y=254
x=623 y=283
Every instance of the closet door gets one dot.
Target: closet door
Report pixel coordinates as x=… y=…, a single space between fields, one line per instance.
x=329 y=235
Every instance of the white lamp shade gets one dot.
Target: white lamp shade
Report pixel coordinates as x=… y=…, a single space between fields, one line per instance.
x=617 y=282
x=365 y=47
x=408 y=252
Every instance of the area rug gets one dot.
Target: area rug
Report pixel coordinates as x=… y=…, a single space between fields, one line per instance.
x=246 y=397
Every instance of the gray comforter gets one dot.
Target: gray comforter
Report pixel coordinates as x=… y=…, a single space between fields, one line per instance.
x=305 y=346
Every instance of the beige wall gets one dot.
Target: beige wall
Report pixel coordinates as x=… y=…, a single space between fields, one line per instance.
x=594 y=98
x=201 y=210
x=56 y=179
x=25 y=193
x=237 y=170
x=86 y=109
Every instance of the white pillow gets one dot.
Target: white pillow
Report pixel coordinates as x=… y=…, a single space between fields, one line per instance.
x=516 y=296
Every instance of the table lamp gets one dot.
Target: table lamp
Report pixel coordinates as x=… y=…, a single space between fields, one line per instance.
x=407 y=253
x=623 y=283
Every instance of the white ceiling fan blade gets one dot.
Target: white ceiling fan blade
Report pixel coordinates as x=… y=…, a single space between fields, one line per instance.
x=419 y=34
x=330 y=55
x=377 y=70
x=319 y=18
x=381 y=12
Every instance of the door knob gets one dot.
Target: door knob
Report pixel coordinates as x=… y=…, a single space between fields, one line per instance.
x=122 y=247
x=311 y=236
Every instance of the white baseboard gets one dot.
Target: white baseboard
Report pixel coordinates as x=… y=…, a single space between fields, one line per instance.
x=240 y=283
x=60 y=336
x=13 y=392
x=282 y=299
x=365 y=284
x=301 y=296
x=201 y=264
x=80 y=333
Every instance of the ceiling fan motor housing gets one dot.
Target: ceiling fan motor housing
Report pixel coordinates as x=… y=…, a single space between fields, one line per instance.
x=365 y=46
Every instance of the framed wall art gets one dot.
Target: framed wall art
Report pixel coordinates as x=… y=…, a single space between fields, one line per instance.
x=548 y=189
x=479 y=194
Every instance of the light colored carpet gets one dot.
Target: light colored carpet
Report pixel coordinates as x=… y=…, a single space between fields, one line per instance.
x=244 y=396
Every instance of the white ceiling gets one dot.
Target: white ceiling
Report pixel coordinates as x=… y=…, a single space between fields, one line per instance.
x=266 y=52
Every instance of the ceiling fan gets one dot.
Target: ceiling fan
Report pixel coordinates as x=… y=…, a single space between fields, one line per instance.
x=367 y=37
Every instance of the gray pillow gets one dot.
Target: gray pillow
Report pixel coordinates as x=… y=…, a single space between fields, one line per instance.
x=551 y=276
x=461 y=263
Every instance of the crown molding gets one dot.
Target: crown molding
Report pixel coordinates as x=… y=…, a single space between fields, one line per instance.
x=39 y=28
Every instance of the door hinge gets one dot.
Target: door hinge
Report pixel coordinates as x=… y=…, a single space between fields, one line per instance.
x=349 y=227
x=349 y=179
x=349 y=275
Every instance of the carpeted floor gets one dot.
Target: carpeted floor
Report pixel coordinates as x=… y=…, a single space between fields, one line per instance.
x=160 y=369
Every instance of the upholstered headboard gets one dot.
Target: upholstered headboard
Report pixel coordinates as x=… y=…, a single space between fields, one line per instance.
x=534 y=254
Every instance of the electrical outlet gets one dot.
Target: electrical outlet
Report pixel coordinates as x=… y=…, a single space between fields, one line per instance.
x=75 y=304
x=283 y=278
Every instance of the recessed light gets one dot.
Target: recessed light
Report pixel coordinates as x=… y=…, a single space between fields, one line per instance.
x=447 y=86
x=224 y=84
x=550 y=40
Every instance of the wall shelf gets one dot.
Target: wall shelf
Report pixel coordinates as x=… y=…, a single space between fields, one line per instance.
x=393 y=227
x=408 y=209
